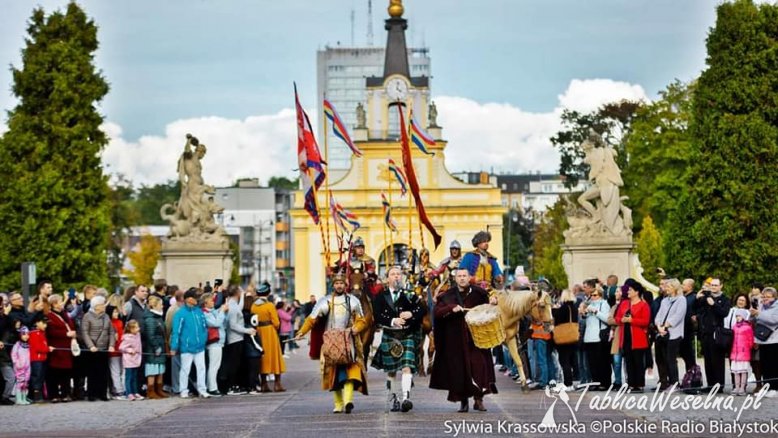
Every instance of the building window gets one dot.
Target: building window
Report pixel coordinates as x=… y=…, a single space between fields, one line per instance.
x=504 y=187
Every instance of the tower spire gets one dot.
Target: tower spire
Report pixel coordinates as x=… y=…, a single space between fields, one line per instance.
x=396 y=61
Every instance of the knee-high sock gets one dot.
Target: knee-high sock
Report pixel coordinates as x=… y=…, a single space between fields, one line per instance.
x=337 y=397
x=348 y=392
x=407 y=380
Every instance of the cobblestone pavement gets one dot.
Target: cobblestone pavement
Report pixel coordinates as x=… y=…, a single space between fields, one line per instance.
x=305 y=410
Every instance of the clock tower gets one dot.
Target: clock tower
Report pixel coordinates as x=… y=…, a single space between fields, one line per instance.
x=396 y=86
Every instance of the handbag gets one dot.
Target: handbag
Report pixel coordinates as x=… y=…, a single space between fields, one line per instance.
x=566 y=333
x=213 y=335
x=666 y=337
x=723 y=337
x=338 y=344
x=762 y=332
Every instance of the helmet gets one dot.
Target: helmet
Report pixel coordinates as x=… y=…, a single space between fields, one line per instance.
x=359 y=242
x=455 y=245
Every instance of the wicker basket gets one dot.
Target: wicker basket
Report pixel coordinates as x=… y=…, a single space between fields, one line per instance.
x=485 y=326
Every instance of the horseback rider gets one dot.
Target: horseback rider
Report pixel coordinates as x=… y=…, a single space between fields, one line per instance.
x=481 y=264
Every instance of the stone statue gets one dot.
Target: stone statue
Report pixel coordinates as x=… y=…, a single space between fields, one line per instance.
x=361 y=116
x=603 y=213
x=433 y=116
x=192 y=215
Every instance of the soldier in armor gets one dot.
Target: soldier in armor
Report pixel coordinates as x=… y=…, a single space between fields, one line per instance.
x=482 y=266
x=361 y=270
x=449 y=265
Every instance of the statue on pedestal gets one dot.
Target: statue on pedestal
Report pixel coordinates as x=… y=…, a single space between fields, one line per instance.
x=604 y=213
x=433 y=116
x=192 y=218
x=361 y=116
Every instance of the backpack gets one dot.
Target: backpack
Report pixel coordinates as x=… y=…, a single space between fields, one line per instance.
x=692 y=378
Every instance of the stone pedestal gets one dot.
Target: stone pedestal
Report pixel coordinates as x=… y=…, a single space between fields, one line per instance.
x=598 y=257
x=191 y=263
x=436 y=132
x=360 y=134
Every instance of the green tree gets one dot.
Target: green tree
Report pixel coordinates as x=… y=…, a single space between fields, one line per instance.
x=659 y=146
x=547 y=249
x=612 y=121
x=729 y=225
x=149 y=199
x=54 y=203
x=520 y=229
x=144 y=260
x=650 y=250
x=124 y=216
x=282 y=182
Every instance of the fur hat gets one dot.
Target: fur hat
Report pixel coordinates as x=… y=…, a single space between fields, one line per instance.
x=338 y=277
x=481 y=237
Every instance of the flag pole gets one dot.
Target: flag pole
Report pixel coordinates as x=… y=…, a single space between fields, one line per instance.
x=321 y=228
x=327 y=185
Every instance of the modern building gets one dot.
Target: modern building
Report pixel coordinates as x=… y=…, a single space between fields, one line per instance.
x=341 y=73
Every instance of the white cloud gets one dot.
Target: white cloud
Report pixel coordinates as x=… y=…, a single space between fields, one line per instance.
x=481 y=136
x=259 y=146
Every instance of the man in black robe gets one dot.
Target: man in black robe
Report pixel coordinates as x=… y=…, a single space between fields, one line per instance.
x=460 y=367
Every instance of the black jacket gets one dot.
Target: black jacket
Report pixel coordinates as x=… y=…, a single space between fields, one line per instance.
x=709 y=317
x=384 y=310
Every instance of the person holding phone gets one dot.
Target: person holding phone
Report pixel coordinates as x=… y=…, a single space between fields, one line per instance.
x=633 y=317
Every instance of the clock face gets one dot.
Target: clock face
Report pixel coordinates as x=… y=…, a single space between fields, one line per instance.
x=396 y=89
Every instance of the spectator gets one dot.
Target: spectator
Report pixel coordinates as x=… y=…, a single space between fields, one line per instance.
x=616 y=353
x=154 y=347
x=60 y=333
x=285 y=331
x=739 y=301
x=99 y=335
x=131 y=350
x=233 y=348
x=135 y=308
x=740 y=356
x=566 y=312
x=712 y=306
x=6 y=344
x=189 y=337
x=160 y=289
x=633 y=317
x=669 y=322
x=755 y=300
x=40 y=303
x=596 y=337
x=117 y=301
x=767 y=315
x=18 y=316
x=611 y=289
x=174 y=361
x=21 y=360
x=214 y=319
x=115 y=359
x=39 y=352
x=267 y=325
x=687 y=350
x=308 y=307
x=80 y=364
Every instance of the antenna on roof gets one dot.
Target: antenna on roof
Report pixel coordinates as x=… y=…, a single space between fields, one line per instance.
x=370 y=23
x=352 y=27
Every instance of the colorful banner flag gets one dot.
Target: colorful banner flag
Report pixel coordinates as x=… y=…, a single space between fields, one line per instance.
x=309 y=159
x=341 y=216
x=410 y=173
x=399 y=175
x=390 y=223
x=338 y=128
x=421 y=139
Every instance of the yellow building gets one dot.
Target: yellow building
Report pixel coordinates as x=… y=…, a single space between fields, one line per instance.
x=457 y=210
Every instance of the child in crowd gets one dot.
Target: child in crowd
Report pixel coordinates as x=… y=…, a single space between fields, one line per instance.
x=20 y=355
x=131 y=357
x=39 y=352
x=740 y=357
x=118 y=391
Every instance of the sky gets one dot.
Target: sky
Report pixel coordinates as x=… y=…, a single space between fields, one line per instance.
x=502 y=71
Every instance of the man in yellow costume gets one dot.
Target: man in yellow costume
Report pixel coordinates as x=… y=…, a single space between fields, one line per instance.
x=481 y=264
x=340 y=311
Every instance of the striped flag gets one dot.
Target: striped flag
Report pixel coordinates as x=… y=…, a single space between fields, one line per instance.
x=338 y=128
x=342 y=217
x=399 y=175
x=421 y=139
x=309 y=160
x=388 y=213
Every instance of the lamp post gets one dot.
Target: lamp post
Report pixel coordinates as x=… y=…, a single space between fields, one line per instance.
x=512 y=217
x=259 y=225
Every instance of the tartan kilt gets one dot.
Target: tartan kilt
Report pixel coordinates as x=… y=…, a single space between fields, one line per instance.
x=383 y=360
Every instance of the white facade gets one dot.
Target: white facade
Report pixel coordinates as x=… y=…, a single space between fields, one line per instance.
x=341 y=74
x=545 y=193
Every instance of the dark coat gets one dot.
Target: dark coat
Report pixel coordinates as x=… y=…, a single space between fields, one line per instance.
x=57 y=336
x=709 y=317
x=384 y=309
x=458 y=362
x=5 y=338
x=154 y=338
x=137 y=312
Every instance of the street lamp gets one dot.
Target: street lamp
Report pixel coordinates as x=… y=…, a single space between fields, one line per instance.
x=260 y=224
x=513 y=216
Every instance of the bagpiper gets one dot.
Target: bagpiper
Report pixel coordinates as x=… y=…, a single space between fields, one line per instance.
x=399 y=313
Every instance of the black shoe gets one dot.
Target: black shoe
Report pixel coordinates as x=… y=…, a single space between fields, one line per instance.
x=349 y=407
x=407 y=405
x=214 y=393
x=464 y=406
x=395 y=404
x=7 y=402
x=91 y=399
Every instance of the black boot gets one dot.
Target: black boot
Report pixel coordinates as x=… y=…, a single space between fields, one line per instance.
x=395 y=403
x=464 y=405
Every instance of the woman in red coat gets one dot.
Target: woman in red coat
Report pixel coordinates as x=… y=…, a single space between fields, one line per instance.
x=59 y=334
x=633 y=316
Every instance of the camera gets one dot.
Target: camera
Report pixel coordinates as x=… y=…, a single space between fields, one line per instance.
x=218 y=282
x=754 y=303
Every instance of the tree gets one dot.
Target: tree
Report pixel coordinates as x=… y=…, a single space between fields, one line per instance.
x=124 y=216
x=547 y=249
x=54 y=203
x=144 y=260
x=149 y=199
x=729 y=226
x=612 y=121
x=282 y=182
x=520 y=229
x=650 y=250
x=659 y=146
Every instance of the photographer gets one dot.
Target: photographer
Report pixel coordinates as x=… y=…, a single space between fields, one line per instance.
x=712 y=306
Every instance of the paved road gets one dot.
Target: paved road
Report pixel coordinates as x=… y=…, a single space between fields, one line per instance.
x=305 y=411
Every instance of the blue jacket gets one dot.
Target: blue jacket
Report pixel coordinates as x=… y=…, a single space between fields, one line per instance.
x=216 y=318
x=189 y=332
x=471 y=260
